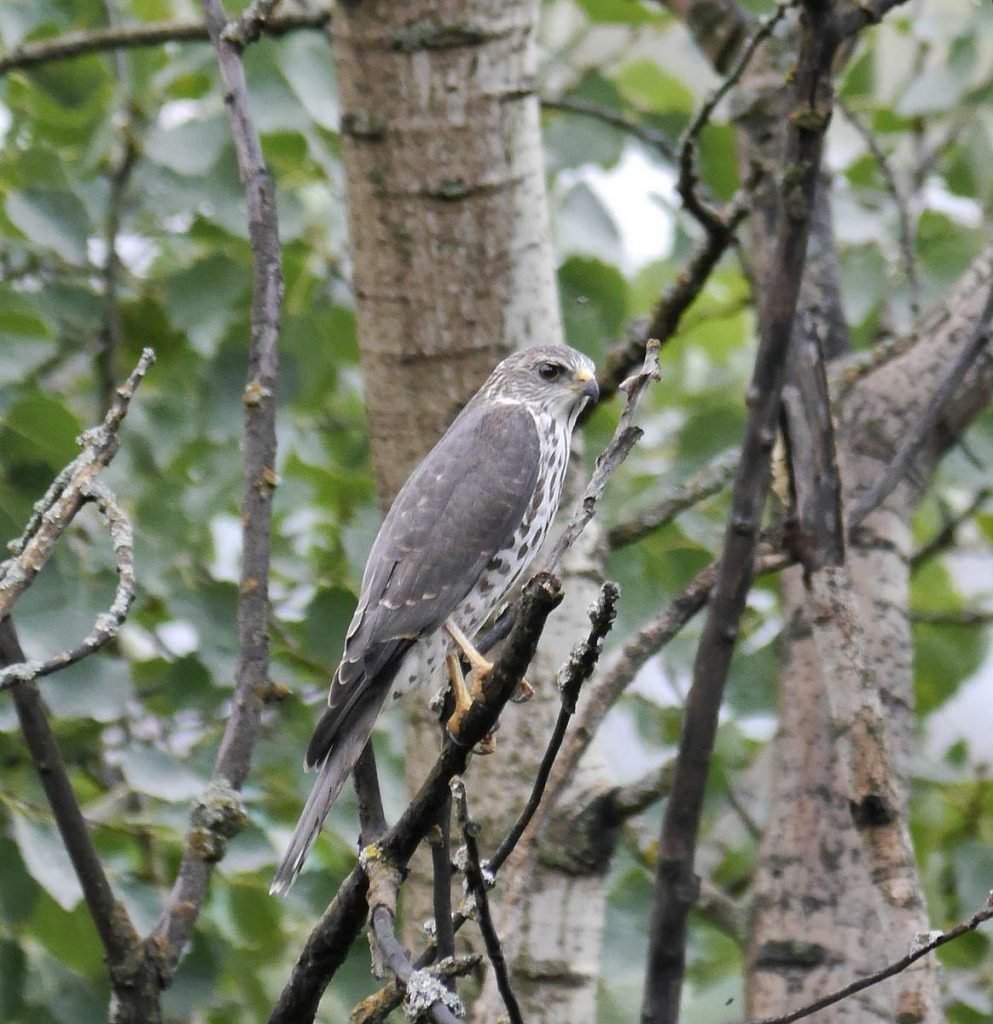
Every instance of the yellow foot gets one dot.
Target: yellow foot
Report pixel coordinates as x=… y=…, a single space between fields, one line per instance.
x=523 y=693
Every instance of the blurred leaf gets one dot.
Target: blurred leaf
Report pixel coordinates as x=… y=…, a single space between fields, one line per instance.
x=56 y=220
x=46 y=860
x=152 y=771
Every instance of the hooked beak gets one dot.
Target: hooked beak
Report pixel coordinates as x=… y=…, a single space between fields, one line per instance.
x=590 y=389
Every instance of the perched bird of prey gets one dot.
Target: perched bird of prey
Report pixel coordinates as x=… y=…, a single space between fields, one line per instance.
x=462 y=530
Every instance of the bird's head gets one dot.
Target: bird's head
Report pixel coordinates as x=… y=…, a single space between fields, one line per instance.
x=553 y=379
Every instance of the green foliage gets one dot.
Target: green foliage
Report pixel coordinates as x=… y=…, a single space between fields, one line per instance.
x=140 y=723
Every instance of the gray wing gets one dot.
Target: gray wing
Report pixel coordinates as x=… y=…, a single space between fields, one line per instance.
x=459 y=507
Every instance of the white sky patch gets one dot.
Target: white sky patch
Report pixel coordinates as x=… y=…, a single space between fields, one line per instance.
x=5 y=122
x=225 y=535
x=178 y=112
x=178 y=637
x=639 y=196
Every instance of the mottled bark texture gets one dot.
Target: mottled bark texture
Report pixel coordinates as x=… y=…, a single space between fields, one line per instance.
x=453 y=267
x=835 y=890
x=837 y=893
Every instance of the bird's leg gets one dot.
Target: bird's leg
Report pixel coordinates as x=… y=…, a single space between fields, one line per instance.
x=463 y=701
x=482 y=666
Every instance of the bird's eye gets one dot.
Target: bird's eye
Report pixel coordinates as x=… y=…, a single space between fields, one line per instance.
x=549 y=371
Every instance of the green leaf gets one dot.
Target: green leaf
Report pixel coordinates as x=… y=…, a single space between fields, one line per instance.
x=54 y=220
x=646 y=85
x=305 y=61
x=191 y=148
x=26 y=337
x=625 y=12
x=38 y=428
x=152 y=771
x=46 y=860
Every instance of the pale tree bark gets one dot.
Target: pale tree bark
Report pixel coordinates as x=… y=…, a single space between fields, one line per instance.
x=834 y=895
x=836 y=889
x=453 y=267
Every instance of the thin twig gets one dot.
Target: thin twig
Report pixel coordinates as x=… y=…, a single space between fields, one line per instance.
x=66 y=495
x=677 y=298
x=108 y=624
x=924 y=427
x=77 y=44
x=375 y=1009
x=958 y=617
x=675 y=875
x=441 y=869
x=582 y=661
x=329 y=942
x=945 y=537
x=710 y=480
x=175 y=926
x=714 y=220
x=918 y=951
x=478 y=878
x=905 y=227
x=135 y=978
x=650 y=136
x=423 y=991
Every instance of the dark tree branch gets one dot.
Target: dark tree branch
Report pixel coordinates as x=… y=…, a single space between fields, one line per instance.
x=816 y=530
x=365 y=779
x=918 y=951
x=77 y=44
x=710 y=480
x=675 y=881
x=635 y=652
x=714 y=221
x=719 y=27
x=329 y=942
x=572 y=675
x=478 y=878
x=440 y=841
x=120 y=175
x=259 y=447
x=424 y=992
x=135 y=978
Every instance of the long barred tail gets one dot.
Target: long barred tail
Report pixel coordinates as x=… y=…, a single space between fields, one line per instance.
x=331 y=776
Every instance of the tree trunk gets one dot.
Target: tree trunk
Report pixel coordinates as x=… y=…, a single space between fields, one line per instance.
x=453 y=267
x=834 y=900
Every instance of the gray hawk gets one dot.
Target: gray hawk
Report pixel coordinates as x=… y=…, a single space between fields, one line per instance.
x=461 y=531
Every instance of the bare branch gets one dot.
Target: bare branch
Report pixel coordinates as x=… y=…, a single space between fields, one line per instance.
x=329 y=942
x=675 y=878
x=376 y=1008
x=423 y=991
x=478 y=878
x=259 y=447
x=901 y=203
x=714 y=221
x=918 y=951
x=924 y=428
x=77 y=44
x=56 y=510
x=135 y=973
x=958 y=617
x=109 y=623
x=710 y=480
x=719 y=27
x=571 y=677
